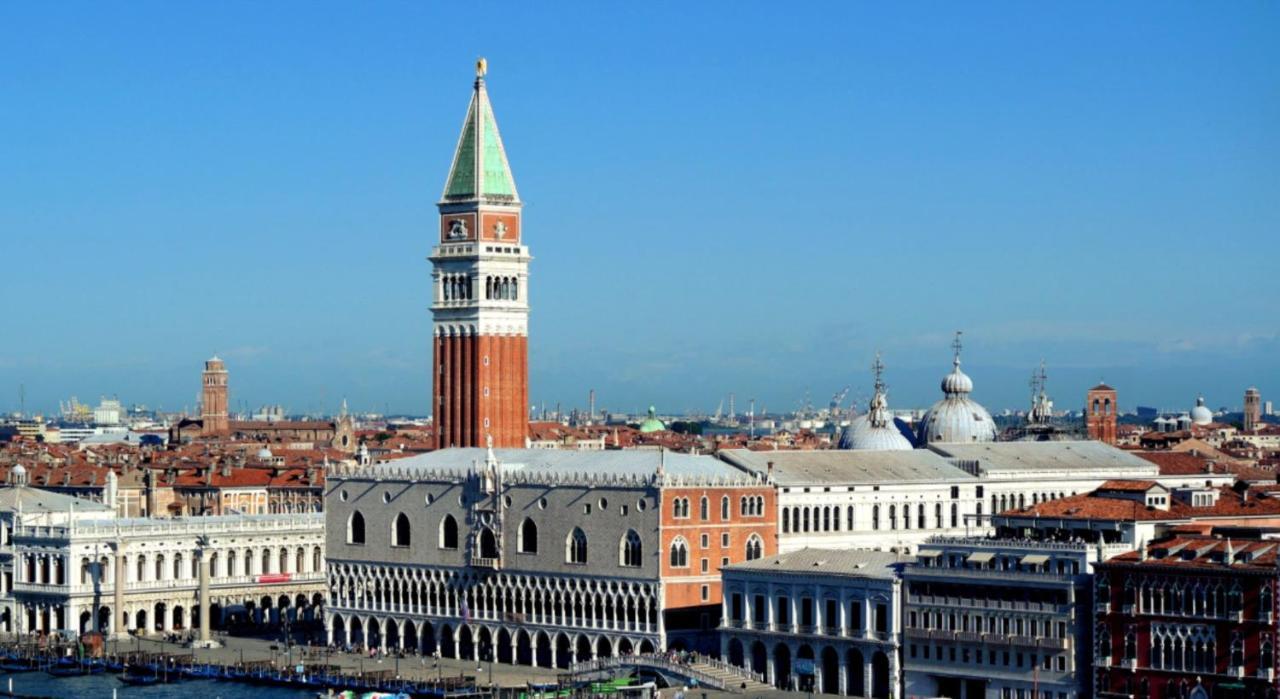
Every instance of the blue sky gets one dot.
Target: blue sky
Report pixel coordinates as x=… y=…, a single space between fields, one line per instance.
x=719 y=197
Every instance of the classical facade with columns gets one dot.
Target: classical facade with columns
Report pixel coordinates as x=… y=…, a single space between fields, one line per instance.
x=826 y=616
x=146 y=575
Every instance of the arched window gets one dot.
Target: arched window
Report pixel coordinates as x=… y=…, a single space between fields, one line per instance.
x=1102 y=636
x=786 y=519
x=920 y=522
x=893 y=516
x=1237 y=651
x=528 y=542
x=631 y=550
x=177 y=567
x=448 y=532
x=937 y=516
x=1266 y=654
x=575 y=546
x=231 y=563
x=826 y=519
x=142 y=567
x=955 y=515
x=1130 y=644
x=266 y=561
x=355 y=528
x=755 y=548
x=806 y=519
x=724 y=508
x=875 y=517
x=679 y=553
x=400 y=534
x=704 y=508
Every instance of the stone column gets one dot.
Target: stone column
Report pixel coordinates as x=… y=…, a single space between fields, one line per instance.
x=117 y=602
x=204 y=596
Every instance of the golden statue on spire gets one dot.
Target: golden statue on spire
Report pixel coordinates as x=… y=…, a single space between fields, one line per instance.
x=482 y=67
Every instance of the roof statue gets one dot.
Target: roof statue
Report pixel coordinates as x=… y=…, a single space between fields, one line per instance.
x=957 y=417
x=876 y=430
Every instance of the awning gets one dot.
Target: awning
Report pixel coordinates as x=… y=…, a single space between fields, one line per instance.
x=928 y=553
x=1035 y=559
x=981 y=557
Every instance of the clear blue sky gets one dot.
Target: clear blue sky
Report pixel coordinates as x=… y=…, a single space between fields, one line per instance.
x=719 y=197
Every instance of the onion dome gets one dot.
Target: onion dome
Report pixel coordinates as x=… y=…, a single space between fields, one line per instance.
x=877 y=430
x=264 y=454
x=652 y=423
x=957 y=417
x=1201 y=415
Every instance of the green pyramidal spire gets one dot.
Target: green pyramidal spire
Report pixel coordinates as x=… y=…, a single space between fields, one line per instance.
x=480 y=170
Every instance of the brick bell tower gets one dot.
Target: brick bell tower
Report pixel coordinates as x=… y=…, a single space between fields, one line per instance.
x=480 y=307
x=1101 y=413
x=213 y=398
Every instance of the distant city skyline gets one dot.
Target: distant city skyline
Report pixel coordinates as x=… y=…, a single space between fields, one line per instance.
x=757 y=211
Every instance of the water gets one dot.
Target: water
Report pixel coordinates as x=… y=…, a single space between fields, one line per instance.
x=100 y=686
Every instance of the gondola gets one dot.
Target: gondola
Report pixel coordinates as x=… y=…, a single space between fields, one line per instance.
x=66 y=667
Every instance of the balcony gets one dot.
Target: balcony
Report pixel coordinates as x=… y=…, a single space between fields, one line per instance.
x=1102 y=607
x=1268 y=674
x=490 y=563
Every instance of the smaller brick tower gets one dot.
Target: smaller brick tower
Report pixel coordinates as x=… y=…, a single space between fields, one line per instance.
x=213 y=398
x=1100 y=412
x=1252 y=409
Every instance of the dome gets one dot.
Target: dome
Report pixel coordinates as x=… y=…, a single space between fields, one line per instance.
x=861 y=434
x=652 y=423
x=265 y=454
x=18 y=474
x=1200 y=414
x=957 y=417
x=877 y=430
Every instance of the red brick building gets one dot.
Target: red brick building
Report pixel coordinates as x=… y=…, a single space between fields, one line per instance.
x=1191 y=615
x=480 y=272
x=1101 y=413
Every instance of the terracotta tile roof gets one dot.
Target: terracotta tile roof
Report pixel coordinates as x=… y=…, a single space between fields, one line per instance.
x=1092 y=506
x=1199 y=551
x=1129 y=486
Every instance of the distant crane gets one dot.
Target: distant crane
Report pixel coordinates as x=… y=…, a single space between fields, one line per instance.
x=719 y=411
x=838 y=399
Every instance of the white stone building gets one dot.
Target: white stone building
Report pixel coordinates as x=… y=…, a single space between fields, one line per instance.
x=837 y=610
x=143 y=575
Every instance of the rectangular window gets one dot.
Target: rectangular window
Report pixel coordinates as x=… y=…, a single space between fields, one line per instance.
x=757 y=609
x=882 y=618
x=831 y=614
x=806 y=611
x=705 y=567
x=706 y=595
x=706 y=541
x=955 y=492
x=724 y=561
x=735 y=607
x=979 y=491
x=784 y=610
x=724 y=540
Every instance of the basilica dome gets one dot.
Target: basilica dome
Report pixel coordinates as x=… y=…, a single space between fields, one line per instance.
x=1201 y=415
x=877 y=430
x=957 y=417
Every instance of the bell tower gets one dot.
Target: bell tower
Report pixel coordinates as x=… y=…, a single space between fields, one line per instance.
x=1101 y=413
x=480 y=307
x=213 y=398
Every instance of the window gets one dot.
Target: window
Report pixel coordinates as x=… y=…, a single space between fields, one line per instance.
x=724 y=540
x=724 y=508
x=755 y=547
x=679 y=553
x=955 y=515
x=576 y=547
x=786 y=519
x=355 y=528
x=784 y=611
x=706 y=541
x=704 y=508
x=448 y=532
x=706 y=593
x=705 y=565
x=875 y=517
x=631 y=550
x=528 y=537
x=400 y=531
x=680 y=508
